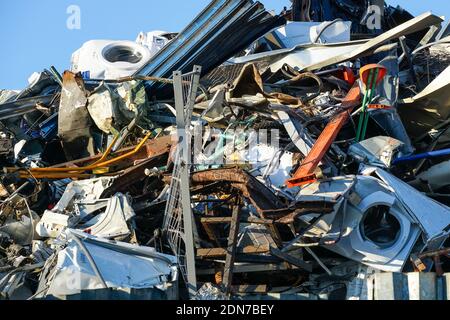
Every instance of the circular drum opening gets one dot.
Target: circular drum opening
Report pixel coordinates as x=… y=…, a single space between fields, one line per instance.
x=122 y=54
x=380 y=226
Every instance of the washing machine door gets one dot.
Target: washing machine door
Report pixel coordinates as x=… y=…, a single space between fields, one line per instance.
x=123 y=58
x=384 y=229
x=121 y=53
x=383 y=232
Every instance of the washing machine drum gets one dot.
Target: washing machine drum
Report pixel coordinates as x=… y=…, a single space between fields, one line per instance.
x=104 y=59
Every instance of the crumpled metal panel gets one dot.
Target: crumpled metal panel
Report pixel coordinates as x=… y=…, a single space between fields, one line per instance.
x=418 y=23
x=121 y=265
x=66 y=213
x=74 y=122
x=115 y=106
x=113 y=222
x=301 y=55
x=432 y=216
x=376 y=151
x=88 y=190
x=428 y=108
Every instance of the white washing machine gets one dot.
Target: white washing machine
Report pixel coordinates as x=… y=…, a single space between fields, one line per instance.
x=374 y=227
x=108 y=59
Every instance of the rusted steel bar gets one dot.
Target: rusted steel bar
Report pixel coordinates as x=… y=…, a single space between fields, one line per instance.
x=305 y=174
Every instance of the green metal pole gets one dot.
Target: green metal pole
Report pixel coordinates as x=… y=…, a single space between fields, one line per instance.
x=366 y=116
x=361 y=117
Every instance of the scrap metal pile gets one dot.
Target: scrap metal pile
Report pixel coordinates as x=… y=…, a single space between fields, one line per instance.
x=250 y=156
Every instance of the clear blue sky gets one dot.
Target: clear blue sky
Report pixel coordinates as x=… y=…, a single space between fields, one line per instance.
x=34 y=35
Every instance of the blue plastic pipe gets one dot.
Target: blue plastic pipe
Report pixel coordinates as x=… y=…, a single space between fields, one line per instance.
x=426 y=155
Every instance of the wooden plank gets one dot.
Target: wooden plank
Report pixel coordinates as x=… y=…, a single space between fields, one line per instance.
x=209 y=229
x=231 y=250
x=218 y=220
x=222 y=252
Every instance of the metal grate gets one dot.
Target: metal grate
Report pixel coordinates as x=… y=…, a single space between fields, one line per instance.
x=178 y=220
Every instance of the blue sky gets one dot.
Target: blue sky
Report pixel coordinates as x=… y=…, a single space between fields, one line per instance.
x=34 y=35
